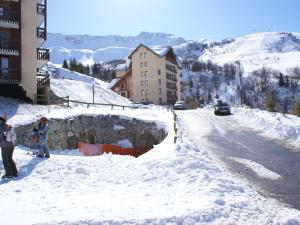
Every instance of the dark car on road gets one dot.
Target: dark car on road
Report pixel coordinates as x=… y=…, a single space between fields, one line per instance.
x=222 y=108
x=180 y=105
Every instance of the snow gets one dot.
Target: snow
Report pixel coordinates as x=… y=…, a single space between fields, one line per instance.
x=64 y=81
x=95 y=49
x=258 y=169
x=171 y=184
x=278 y=51
x=274 y=125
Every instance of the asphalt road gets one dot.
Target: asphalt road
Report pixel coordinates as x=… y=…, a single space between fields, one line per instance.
x=232 y=143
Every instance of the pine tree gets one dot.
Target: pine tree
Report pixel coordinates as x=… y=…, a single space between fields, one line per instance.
x=281 y=81
x=95 y=70
x=65 y=64
x=287 y=81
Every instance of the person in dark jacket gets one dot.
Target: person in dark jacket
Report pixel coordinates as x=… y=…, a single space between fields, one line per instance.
x=43 y=138
x=7 y=150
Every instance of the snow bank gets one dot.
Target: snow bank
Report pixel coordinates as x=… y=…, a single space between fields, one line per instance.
x=274 y=125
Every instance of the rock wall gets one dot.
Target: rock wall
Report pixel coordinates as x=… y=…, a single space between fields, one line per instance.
x=65 y=134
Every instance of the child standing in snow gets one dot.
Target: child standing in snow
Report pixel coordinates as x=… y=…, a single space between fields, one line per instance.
x=7 y=148
x=43 y=138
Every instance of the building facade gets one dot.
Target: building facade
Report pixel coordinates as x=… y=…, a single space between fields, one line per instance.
x=153 y=76
x=23 y=30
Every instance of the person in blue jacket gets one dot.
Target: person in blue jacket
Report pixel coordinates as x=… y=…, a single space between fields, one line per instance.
x=43 y=129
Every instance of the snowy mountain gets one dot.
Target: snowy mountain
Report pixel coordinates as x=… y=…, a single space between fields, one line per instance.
x=89 y=49
x=278 y=51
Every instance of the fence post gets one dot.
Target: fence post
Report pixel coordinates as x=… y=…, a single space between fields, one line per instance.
x=68 y=99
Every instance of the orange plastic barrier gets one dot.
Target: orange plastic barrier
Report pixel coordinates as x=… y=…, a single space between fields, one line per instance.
x=90 y=149
x=99 y=149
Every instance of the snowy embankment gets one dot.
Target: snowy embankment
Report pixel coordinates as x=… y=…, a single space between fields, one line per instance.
x=172 y=184
x=79 y=87
x=274 y=125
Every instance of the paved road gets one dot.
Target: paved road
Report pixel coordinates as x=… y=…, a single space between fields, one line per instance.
x=277 y=165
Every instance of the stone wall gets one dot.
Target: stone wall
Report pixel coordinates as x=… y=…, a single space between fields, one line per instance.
x=65 y=133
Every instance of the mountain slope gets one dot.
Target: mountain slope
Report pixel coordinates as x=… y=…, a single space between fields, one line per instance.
x=275 y=50
x=90 y=49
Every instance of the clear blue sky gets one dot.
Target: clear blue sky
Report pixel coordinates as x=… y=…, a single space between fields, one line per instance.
x=191 y=19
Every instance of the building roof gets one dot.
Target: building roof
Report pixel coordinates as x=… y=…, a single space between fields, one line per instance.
x=117 y=82
x=159 y=51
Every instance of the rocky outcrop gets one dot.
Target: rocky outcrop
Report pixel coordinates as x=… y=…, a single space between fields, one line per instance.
x=102 y=129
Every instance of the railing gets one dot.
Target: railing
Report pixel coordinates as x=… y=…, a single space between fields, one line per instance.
x=43 y=54
x=171 y=77
x=41 y=9
x=171 y=68
x=41 y=33
x=172 y=86
x=11 y=17
x=43 y=82
x=12 y=46
x=10 y=76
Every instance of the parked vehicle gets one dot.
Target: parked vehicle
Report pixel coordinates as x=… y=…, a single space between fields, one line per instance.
x=180 y=105
x=147 y=102
x=222 y=108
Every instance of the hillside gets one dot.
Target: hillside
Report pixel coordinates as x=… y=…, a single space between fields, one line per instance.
x=80 y=87
x=278 y=51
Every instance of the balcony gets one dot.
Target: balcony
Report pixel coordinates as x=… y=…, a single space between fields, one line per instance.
x=41 y=10
x=171 y=69
x=10 y=20
x=10 y=76
x=171 y=77
x=43 y=56
x=172 y=86
x=10 y=49
x=172 y=96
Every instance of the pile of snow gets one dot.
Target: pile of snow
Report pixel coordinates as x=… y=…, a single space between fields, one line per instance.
x=79 y=87
x=172 y=184
x=278 y=51
x=90 y=49
x=274 y=125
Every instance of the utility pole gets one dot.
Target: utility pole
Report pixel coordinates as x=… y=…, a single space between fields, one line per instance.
x=93 y=90
x=240 y=82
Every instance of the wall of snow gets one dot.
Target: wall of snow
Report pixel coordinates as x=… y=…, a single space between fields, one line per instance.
x=102 y=129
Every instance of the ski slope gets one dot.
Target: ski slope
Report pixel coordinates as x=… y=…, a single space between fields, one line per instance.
x=278 y=51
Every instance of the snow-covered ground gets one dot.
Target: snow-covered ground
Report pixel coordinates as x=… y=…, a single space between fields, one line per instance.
x=172 y=184
x=274 y=125
x=79 y=87
x=278 y=51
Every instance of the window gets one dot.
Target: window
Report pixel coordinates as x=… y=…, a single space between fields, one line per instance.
x=4 y=67
x=142 y=83
x=145 y=64
x=159 y=81
x=159 y=91
x=141 y=55
x=145 y=54
x=1 y=11
x=142 y=74
x=141 y=65
x=158 y=72
x=4 y=40
x=146 y=73
x=142 y=92
x=146 y=83
x=160 y=101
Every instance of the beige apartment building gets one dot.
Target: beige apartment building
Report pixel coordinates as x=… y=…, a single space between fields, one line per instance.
x=23 y=30
x=153 y=75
